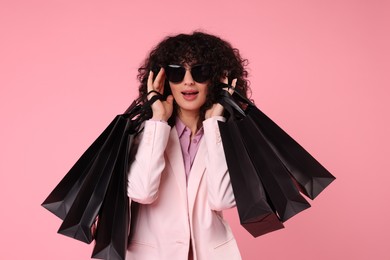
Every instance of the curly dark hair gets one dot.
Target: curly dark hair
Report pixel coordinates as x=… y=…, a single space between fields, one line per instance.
x=196 y=48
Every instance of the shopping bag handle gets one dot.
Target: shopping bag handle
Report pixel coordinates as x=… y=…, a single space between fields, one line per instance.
x=237 y=94
x=153 y=99
x=139 y=112
x=131 y=109
x=226 y=100
x=230 y=101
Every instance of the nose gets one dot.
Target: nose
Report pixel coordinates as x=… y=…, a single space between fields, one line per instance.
x=188 y=80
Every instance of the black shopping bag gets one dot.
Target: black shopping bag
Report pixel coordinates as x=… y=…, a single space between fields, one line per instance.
x=63 y=195
x=86 y=206
x=281 y=162
x=283 y=196
x=312 y=178
x=78 y=198
x=114 y=218
x=255 y=214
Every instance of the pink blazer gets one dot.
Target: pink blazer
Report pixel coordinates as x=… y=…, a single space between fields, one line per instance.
x=172 y=212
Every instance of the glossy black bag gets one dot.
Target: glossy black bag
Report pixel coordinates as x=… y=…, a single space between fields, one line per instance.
x=312 y=177
x=255 y=214
x=78 y=198
x=86 y=206
x=272 y=163
x=63 y=195
x=114 y=218
x=281 y=194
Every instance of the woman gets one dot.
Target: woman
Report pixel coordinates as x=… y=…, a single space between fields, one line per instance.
x=179 y=173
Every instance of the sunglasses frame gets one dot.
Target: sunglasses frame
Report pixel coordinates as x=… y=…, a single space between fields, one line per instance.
x=176 y=73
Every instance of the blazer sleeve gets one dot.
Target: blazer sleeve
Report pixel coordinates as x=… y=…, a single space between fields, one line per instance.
x=220 y=191
x=148 y=163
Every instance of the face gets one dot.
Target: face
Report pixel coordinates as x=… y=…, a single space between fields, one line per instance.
x=189 y=94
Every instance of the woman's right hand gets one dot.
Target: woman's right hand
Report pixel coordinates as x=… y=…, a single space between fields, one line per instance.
x=162 y=110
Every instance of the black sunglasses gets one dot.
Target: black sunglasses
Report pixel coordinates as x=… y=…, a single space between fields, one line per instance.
x=200 y=73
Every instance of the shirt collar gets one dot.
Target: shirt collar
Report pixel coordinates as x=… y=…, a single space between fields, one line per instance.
x=181 y=128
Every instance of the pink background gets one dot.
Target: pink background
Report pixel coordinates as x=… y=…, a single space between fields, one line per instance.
x=316 y=67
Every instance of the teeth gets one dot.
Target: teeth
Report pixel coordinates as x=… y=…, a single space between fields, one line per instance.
x=190 y=93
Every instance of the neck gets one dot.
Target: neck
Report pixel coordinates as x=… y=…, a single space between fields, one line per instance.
x=190 y=120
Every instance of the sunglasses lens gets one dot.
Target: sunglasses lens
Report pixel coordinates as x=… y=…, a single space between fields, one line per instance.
x=175 y=73
x=201 y=73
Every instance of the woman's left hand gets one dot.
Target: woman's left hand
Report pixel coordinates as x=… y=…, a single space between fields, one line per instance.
x=217 y=109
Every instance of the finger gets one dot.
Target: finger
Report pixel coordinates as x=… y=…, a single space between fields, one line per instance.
x=234 y=83
x=159 y=81
x=225 y=79
x=170 y=100
x=150 y=81
x=150 y=86
x=216 y=110
x=231 y=90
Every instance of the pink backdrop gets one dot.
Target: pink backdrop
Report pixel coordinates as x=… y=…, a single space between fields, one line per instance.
x=316 y=67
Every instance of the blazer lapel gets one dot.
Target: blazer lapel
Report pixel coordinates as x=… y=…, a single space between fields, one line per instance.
x=175 y=159
x=174 y=155
x=196 y=174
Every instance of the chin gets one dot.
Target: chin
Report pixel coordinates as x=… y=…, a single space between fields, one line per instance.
x=189 y=108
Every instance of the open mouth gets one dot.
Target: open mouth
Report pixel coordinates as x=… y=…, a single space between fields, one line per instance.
x=188 y=93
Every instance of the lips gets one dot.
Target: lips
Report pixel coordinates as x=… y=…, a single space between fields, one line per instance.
x=190 y=94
